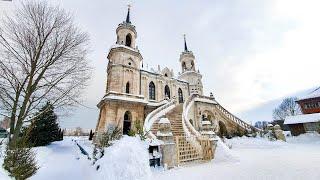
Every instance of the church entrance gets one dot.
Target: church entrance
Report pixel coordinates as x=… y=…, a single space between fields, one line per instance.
x=167 y=91
x=127 y=122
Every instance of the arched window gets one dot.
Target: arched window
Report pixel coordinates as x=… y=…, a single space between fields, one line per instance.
x=152 y=91
x=128 y=40
x=127 y=118
x=128 y=88
x=180 y=95
x=184 y=66
x=167 y=91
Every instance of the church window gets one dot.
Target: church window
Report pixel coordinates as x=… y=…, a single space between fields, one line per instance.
x=166 y=75
x=180 y=95
x=184 y=66
x=128 y=40
x=152 y=91
x=129 y=63
x=167 y=91
x=128 y=87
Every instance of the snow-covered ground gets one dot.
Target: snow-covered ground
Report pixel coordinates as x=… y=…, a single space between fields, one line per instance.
x=249 y=158
x=257 y=158
x=126 y=159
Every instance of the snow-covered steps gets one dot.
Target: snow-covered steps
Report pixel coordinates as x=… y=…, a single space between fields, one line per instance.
x=175 y=118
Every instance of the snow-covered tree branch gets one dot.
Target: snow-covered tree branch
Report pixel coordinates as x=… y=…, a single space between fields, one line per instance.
x=43 y=57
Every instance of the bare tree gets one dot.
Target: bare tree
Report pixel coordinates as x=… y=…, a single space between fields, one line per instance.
x=43 y=57
x=288 y=107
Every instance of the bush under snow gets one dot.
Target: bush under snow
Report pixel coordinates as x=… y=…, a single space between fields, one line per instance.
x=127 y=158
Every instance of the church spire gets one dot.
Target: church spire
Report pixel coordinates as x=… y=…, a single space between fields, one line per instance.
x=128 y=15
x=185 y=43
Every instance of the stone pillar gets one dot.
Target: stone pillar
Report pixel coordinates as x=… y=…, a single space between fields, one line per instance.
x=279 y=133
x=168 y=148
x=208 y=135
x=207 y=130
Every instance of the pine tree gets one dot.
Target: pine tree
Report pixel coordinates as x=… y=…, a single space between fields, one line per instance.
x=19 y=160
x=44 y=128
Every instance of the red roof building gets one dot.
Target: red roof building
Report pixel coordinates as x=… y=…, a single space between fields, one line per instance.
x=310 y=103
x=309 y=120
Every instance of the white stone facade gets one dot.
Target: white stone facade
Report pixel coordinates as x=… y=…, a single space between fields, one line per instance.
x=132 y=89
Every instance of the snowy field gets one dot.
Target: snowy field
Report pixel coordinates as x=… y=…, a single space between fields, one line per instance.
x=249 y=158
x=256 y=158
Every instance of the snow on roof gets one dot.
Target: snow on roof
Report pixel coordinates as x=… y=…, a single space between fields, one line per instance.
x=205 y=100
x=303 y=118
x=314 y=94
x=152 y=71
x=115 y=97
x=120 y=45
x=152 y=103
x=164 y=121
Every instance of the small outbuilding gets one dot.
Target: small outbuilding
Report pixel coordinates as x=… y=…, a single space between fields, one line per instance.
x=303 y=123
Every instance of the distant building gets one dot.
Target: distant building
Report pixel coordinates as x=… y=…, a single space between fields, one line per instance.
x=309 y=121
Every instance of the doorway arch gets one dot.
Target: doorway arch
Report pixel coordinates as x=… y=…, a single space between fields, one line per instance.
x=167 y=91
x=127 y=119
x=180 y=95
x=222 y=129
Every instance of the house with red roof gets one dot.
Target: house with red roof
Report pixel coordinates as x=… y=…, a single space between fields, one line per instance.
x=309 y=120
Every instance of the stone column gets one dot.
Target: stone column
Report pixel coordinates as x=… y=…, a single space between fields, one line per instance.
x=208 y=135
x=168 y=148
x=279 y=133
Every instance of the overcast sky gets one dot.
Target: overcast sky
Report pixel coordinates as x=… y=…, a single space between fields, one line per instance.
x=250 y=52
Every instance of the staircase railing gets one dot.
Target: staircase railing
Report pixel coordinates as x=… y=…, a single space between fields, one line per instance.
x=192 y=135
x=235 y=118
x=231 y=116
x=155 y=114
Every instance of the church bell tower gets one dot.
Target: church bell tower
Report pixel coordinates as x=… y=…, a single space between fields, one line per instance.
x=189 y=72
x=124 y=60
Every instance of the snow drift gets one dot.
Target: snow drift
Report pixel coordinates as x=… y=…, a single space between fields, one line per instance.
x=223 y=153
x=127 y=158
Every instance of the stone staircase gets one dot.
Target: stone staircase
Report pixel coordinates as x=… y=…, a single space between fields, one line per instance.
x=175 y=118
x=185 y=151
